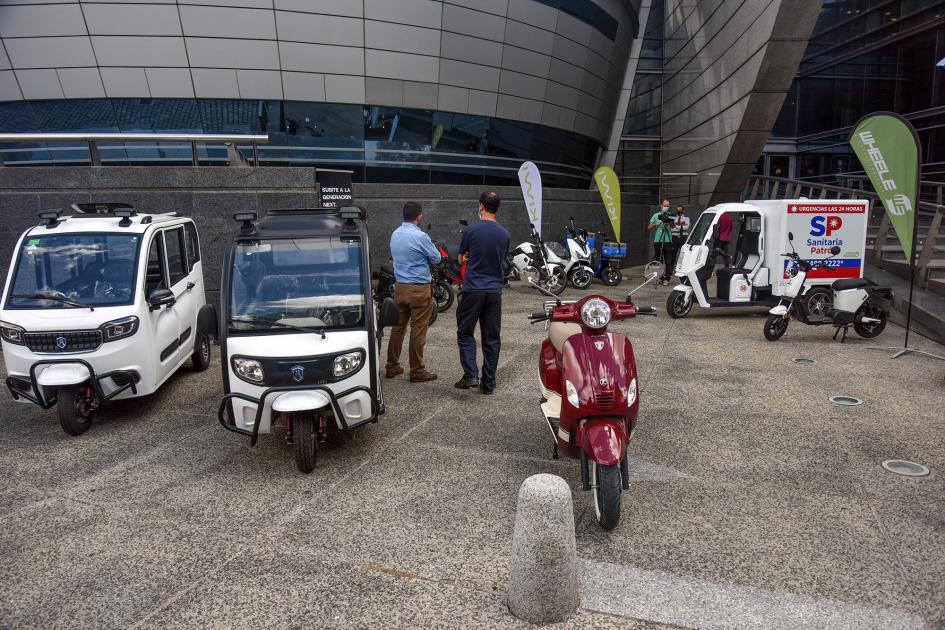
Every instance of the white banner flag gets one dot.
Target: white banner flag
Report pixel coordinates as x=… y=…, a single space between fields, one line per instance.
x=530 y=179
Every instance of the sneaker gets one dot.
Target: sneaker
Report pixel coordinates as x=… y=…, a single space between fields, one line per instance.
x=393 y=373
x=486 y=390
x=466 y=383
x=422 y=377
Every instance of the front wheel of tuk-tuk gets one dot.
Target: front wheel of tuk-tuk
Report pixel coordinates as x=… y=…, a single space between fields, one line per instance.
x=678 y=304
x=74 y=404
x=304 y=442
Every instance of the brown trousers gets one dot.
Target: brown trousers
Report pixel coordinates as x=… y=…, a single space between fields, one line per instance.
x=415 y=305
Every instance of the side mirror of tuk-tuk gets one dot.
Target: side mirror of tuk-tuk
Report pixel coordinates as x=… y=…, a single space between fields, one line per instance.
x=389 y=315
x=835 y=250
x=161 y=297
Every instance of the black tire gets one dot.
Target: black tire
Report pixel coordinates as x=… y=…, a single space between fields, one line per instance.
x=442 y=295
x=580 y=277
x=75 y=413
x=203 y=352
x=607 y=490
x=304 y=442
x=868 y=331
x=818 y=301
x=433 y=315
x=775 y=327
x=558 y=282
x=677 y=305
x=611 y=276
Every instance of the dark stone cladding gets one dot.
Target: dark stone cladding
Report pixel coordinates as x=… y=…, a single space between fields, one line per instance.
x=211 y=195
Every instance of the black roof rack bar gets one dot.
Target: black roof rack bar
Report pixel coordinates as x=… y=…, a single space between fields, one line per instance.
x=100 y=207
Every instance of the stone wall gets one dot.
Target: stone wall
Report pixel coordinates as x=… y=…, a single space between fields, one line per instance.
x=211 y=196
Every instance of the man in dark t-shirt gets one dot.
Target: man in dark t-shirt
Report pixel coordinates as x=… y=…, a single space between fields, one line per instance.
x=483 y=249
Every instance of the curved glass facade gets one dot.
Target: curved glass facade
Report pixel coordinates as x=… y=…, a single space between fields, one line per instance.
x=380 y=144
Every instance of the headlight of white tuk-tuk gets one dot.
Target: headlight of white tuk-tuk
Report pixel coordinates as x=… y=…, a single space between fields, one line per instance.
x=120 y=328
x=12 y=334
x=571 y=391
x=249 y=370
x=348 y=363
x=595 y=313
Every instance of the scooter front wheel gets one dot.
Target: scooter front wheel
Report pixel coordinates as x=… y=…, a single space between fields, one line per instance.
x=607 y=489
x=74 y=404
x=611 y=276
x=304 y=442
x=678 y=304
x=556 y=281
x=443 y=295
x=581 y=277
x=775 y=327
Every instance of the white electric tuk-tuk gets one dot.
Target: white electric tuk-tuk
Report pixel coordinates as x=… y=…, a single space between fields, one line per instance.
x=752 y=268
x=102 y=304
x=301 y=335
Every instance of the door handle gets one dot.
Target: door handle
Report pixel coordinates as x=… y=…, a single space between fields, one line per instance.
x=191 y=285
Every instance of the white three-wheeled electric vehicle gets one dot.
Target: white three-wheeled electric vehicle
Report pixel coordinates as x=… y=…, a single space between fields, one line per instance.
x=754 y=270
x=301 y=336
x=102 y=304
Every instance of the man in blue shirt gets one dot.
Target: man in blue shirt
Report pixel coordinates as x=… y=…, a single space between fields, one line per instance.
x=483 y=249
x=413 y=253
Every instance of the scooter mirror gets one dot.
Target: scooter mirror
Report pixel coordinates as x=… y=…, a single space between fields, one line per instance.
x=648 y=278
x=790 y=236
x=835 y=250
x=464 y=222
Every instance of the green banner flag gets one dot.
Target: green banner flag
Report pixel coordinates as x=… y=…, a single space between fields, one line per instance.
x=609 y=187
x=888 y=149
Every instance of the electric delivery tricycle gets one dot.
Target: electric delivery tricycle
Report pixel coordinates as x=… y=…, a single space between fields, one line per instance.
x=301 y=334
x=754 y=271
x=102 y=304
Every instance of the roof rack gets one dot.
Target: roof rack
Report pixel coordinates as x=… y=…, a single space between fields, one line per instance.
x=97 y=207
x=51 y=218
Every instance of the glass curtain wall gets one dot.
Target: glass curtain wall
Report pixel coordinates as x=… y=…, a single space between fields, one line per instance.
x=380 y=144
x=866 y=56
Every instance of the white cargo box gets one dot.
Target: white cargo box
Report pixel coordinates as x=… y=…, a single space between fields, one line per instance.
x=817 y=226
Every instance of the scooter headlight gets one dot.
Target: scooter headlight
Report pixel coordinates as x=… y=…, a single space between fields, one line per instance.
x=120 y=328
x=632 y=392
x=12 y=334
x=250 y=370
x=595 y=313
x=571 y=391
x=348 y=363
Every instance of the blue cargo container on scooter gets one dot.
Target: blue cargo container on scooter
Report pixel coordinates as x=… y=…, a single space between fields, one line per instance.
x=606 y=264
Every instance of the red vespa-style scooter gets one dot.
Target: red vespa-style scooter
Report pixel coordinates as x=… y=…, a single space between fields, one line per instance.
x=590 y=395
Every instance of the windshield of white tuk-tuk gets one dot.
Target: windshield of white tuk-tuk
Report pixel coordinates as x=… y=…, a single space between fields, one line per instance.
x=74 y=270
x=312 y=283
x=699 y=230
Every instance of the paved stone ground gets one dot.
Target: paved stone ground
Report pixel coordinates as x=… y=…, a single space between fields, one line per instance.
x=756 y=503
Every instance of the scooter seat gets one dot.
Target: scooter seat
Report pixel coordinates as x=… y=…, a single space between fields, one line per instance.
x=850 y=283
x=558 y=333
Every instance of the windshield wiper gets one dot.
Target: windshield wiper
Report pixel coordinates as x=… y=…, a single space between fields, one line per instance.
x=53 y=297
x=269 y=322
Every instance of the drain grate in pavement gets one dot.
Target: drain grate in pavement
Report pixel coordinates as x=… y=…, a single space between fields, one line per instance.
x=846 y=401
x=907 y=468
x=803 y=361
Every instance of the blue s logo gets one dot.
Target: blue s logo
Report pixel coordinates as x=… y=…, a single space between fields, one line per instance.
x=817 y=227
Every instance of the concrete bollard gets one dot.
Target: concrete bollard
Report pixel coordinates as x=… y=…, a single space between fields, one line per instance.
x=543 y=585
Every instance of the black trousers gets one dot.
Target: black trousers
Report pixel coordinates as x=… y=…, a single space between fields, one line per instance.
x=485 y=308
x=663 y=252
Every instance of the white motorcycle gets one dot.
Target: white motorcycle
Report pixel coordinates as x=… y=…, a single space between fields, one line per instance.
x=531 y=261
x=577 y=257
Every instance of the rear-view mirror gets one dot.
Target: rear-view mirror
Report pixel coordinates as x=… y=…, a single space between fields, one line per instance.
x=464 y=222
x=716 y=232
x=160 y=297
x=835 y=250
x=790 y=236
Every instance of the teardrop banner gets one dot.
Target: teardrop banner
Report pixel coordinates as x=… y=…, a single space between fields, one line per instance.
x=530 y=180
x=888 y=149
x=609 y=188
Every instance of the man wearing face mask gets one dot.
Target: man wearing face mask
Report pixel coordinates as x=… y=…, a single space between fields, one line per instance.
x=680 y=233
x=483 y=249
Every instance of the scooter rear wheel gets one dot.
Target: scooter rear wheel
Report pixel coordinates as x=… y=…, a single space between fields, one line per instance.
x=678 y=305
x=607 y=489
x=304 y=442
x=611 y=276
x=75 y=409
x=775 y=327
x=868 y=331
x=443 y=295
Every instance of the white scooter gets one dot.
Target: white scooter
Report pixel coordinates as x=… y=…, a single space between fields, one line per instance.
x=857 y=302
x=577 y=257
x=531 y=260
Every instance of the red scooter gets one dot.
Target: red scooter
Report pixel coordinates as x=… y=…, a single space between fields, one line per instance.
x=590 y=392
x=450 y=268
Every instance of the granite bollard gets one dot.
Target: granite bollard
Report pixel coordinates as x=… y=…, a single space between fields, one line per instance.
x=543 y=585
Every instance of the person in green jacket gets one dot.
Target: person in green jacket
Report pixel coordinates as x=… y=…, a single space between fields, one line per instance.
x=661 y=224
